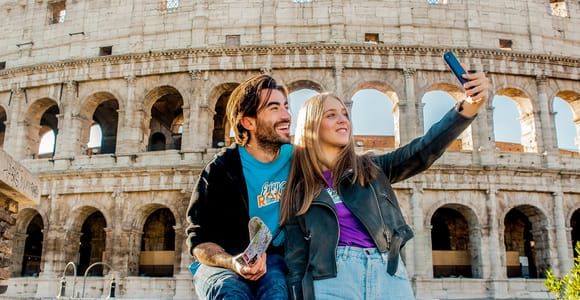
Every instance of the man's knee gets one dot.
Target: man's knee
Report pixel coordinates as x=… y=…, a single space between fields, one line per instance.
x=217 y=283
x=231 y=288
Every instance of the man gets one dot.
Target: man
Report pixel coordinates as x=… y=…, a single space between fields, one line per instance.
x=241 y=182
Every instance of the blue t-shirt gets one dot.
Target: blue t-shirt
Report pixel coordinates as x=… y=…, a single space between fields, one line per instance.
x=265 y=183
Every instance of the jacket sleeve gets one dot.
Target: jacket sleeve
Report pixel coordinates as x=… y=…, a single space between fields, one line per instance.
x=422 y=152
x=296 y=255
x=196 y=231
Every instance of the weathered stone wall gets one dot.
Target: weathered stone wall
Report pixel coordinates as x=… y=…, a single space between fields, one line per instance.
x=317 y=46
x=142 y=26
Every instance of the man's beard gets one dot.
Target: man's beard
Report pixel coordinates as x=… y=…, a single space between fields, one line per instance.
x=267 y=137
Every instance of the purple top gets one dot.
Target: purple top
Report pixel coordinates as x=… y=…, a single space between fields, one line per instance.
x=352 y=231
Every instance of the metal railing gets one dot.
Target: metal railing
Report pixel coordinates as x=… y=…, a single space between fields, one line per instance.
x=62 y=290
x=112 y=286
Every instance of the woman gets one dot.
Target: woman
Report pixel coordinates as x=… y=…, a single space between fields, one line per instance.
x=343 y=226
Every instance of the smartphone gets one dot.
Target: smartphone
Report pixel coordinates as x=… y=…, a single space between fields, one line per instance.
x=455 y=66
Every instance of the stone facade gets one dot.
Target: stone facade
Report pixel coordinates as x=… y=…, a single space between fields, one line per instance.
x=17 y=186
x=174 y=67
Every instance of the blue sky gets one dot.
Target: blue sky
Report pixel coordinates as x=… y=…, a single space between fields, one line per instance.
x=370 y=116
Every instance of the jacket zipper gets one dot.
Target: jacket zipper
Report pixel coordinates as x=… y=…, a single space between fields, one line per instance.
x=386 y=232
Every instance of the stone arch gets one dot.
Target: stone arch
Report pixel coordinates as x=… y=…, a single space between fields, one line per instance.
x=301 y=91
x=378 y=84
x=101 y=108
x=573 y=209
x=572 y=98
x=299 y=84
x=465 y=140
x=93 y=100
x=163 y=105
x=158 y=92
x=377 y=141
x=526 y=235
x=40 y=117
x=81 y=243
x=3 y=121
x=218 y=100
x=574 y=221
x=158 y=248
x=456 y=241
x=525 y=109
x=27 y=242
x=137 y=222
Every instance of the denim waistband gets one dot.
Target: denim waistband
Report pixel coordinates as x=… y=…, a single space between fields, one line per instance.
x=361 y=253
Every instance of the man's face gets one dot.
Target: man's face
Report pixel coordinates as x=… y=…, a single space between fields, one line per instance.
x=273 y=120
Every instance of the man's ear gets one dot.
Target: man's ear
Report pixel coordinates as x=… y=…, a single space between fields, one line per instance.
x=248 y=123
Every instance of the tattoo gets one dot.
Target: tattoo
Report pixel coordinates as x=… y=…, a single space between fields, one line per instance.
x=213 y=255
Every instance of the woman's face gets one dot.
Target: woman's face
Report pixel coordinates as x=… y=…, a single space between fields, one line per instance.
x=334 y=131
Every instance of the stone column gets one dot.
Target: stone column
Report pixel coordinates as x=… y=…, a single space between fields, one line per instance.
x=408 y=108
x=496 y=254
x=18 y=244
x=117 y=242
x=183 y=278
x=56 y=253
x=15 y=139
x=130 y=130
x=190 y=112
x=481 y=241
x=68 y=139
x=109 y=254
x=338 y=72
x=201 y=115
x=421 y=244
x=564 y=257
x=482 y=134
x=547 y=143
x=127 y=254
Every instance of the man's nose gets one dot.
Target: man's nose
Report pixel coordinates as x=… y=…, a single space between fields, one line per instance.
x=286 y=113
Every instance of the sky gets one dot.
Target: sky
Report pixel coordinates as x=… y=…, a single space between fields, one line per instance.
x=371 y=116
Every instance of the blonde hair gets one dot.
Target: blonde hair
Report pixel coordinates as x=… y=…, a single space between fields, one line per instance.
x=306 y=178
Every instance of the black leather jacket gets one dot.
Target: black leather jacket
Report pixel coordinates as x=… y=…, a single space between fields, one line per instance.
x=312 y=239
x=218 y=209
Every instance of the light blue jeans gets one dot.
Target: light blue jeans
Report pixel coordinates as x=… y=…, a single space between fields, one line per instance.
x=218 y=284
x=362 y=274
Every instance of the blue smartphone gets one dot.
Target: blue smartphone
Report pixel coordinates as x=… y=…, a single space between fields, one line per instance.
x=455 y=66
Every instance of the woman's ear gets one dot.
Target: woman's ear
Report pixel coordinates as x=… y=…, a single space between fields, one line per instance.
x=248 y=123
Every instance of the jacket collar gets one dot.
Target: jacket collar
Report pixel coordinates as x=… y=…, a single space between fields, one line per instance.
x=324 y=198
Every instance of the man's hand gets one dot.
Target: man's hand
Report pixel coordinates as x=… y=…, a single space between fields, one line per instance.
x=477 y=88
x=213 y=255
x=252 y=271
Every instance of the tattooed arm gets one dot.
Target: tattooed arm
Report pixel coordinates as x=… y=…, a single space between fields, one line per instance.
x=213 y=255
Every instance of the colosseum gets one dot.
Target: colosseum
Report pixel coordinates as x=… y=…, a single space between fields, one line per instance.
x=117 y=105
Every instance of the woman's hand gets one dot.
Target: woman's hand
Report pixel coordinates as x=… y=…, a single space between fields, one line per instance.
x=477 y=92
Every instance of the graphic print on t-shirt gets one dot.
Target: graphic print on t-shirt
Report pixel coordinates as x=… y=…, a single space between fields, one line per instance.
x=265 y=182
x=271 y=193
